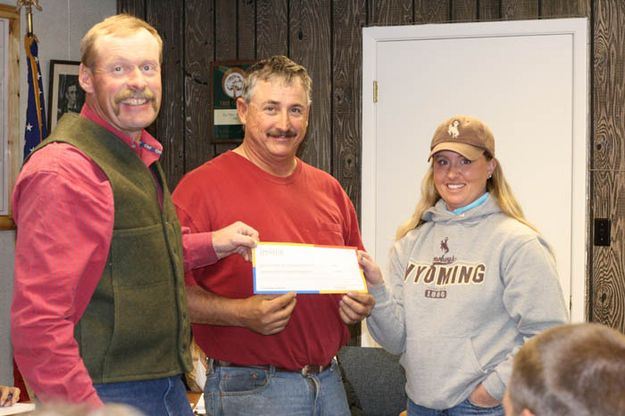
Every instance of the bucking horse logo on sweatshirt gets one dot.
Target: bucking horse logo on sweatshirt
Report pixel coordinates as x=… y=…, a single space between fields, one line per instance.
x=444 y=247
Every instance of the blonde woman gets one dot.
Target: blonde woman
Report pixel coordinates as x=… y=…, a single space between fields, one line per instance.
x=470 y=280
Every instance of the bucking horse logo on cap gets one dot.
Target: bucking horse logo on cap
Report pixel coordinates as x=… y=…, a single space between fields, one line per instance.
x=453 y=129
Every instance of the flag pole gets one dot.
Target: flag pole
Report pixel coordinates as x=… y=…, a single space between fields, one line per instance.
x=28 y=4
x=36 y=126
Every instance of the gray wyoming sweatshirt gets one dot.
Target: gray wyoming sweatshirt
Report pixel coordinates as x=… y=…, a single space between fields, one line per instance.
x=463 y=293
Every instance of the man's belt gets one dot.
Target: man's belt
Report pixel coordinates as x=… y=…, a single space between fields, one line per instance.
x=307 y=370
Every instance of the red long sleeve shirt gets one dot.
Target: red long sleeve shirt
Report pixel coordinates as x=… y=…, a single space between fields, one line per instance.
x=64 y=210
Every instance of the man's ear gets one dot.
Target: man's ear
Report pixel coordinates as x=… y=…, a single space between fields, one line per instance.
x=242 y=107
x=85 y=77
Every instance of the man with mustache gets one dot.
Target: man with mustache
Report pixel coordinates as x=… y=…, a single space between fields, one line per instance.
x=99 y=311
x=270 y=355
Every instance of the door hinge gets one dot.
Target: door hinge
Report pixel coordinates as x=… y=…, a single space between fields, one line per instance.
x=375 y=91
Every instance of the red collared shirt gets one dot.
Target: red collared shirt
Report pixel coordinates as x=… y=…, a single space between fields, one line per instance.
x=64 y=211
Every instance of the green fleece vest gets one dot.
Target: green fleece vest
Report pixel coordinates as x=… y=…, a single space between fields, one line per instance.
x=136 y=326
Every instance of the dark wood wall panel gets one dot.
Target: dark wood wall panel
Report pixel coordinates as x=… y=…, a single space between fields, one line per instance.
x=559 y=8
x=390 y=12
x=199 y=47
x=325 y=36
x=170 y=125
x=608 y=85
x=349 y=18
x=607 y=274
x=226 y=28
x=310 y=35
x=607 y=286
x=272 y=28
x=464 y=10
x=247 y=29
x=427 y=11
x=223 y=147
x=519 y=9
x=489 y=10
x=133 y=7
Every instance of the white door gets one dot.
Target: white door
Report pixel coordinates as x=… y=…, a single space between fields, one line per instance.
x=526 y=79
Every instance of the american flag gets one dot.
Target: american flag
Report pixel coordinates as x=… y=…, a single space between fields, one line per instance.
x=36 y=129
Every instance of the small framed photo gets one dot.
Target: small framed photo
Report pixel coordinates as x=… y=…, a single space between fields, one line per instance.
x=227 y=85
x=65 y=94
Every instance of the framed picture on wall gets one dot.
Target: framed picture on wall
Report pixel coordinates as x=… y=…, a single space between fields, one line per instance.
x=227 y=86
x=65 y=94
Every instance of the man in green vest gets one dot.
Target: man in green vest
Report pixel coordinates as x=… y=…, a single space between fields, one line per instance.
x=99 y=311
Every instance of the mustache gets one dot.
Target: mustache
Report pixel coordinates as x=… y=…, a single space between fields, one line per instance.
x=282 y=133
x=146 y=93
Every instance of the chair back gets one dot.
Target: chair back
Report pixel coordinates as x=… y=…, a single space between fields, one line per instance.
x=374 y=381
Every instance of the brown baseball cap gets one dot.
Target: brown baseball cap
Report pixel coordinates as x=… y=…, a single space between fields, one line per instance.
x=465 y=135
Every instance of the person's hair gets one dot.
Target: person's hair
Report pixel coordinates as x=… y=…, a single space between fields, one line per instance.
x=276 y=67
x=121 y=25
x=497 y=186
x=573 y=369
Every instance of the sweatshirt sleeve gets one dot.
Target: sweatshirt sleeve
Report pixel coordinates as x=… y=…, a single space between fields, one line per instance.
x=386 y=323
x=533 y=298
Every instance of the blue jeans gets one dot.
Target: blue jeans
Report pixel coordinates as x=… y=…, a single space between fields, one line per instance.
x=466 y=408
x=233 y=391
x=159 y=397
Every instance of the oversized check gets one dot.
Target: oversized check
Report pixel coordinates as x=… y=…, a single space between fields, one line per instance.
x=306 y=268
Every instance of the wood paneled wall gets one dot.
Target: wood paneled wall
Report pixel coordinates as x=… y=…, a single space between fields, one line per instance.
x=326 y=37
